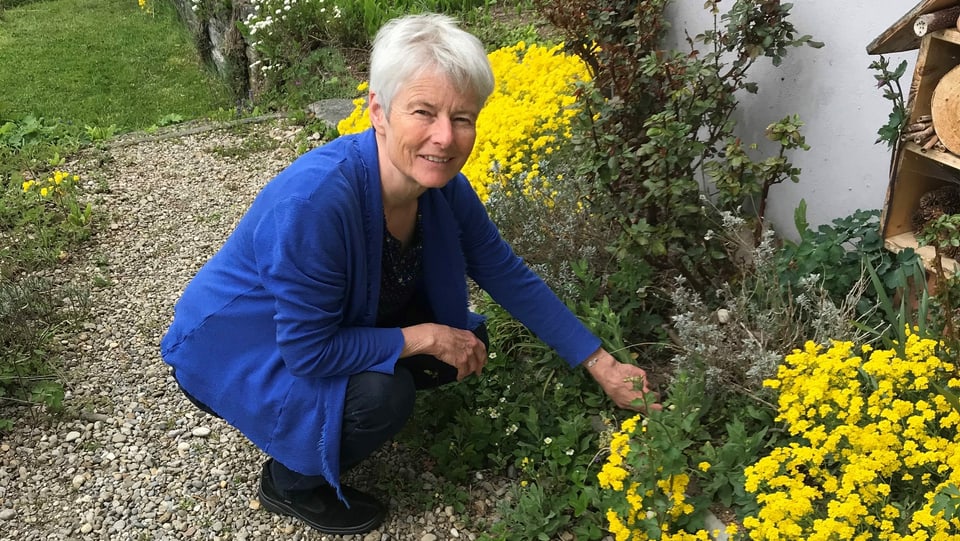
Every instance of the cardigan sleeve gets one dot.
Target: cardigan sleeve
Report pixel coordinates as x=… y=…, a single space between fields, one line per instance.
x=310 y=259
x=492 y=263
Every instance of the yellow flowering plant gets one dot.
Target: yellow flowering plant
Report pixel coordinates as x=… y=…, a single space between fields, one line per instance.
x=663 y=472
x=58 y=194
x=874 y=451
x=55 y=187
x=524 y=121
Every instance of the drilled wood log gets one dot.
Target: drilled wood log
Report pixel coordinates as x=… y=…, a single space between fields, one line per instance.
x=938 y=20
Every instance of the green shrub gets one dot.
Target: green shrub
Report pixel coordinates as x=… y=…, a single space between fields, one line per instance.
x=654 y=119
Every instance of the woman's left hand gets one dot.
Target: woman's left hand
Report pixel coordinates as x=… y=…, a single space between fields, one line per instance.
x=623 y=383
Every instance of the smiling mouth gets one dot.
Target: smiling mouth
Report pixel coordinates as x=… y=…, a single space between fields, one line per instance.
x=435 y=159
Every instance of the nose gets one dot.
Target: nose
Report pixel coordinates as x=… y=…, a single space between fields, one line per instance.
x=442 y=131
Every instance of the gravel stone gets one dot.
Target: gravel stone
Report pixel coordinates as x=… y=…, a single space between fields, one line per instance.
x=131 y=458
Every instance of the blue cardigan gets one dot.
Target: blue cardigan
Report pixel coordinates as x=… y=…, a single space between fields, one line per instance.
x=270 y=329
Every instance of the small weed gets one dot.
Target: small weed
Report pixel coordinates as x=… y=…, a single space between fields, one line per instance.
x=100 y=133
x=91 y=445
x=101 y=282
x=212 y=218
x=251 y=145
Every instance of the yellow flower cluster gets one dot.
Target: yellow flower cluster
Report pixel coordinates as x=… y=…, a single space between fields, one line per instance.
x=524 y=120
x=55 y=185
x=874 y=442
x=639 y=518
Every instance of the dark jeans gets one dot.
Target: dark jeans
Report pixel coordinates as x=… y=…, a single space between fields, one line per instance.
x=376 y=409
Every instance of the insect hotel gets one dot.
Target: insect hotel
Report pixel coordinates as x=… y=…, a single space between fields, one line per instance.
x=925 y=173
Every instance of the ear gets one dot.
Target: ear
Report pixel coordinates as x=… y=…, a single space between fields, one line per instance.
x=378 y=116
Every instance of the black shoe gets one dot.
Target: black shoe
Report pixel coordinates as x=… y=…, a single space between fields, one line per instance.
x=321 y=509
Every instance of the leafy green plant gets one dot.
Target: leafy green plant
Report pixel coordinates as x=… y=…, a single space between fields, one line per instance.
x=657 y=131
x=839 y=253
x=169 y=119
x=529 y=417
x=100 y=133
x=889 y=81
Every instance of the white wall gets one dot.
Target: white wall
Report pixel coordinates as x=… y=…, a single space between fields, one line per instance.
x=835 y=94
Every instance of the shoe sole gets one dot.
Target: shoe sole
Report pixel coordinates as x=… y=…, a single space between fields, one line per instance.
x=280 y=507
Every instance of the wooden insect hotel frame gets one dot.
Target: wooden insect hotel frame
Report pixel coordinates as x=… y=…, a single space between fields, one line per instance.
x=928 y=156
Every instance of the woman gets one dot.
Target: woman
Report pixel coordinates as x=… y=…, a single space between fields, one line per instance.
x=342 y=290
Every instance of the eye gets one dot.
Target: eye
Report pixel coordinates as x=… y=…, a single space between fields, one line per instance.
x=422 y=112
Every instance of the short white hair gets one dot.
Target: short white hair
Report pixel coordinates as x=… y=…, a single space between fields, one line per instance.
x=408 y=46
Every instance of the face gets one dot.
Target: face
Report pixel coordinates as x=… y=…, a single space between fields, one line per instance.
x=428 y=135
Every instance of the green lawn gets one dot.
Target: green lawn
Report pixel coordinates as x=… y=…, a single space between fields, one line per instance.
x=102 y=63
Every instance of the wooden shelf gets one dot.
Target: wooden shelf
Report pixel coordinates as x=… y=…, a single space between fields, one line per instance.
x=946 y=158
x=903 y=241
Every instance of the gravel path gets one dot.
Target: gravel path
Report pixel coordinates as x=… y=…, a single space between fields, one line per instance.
x=131 y=458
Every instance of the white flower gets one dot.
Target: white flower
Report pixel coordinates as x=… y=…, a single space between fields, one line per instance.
x=511 y=429
x=548 y=440
x=569 y=452
x=493 y=354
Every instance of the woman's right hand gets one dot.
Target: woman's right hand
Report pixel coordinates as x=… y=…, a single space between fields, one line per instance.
x=459 y=348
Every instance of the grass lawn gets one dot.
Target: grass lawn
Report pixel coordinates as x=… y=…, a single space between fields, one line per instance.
x=102 y=63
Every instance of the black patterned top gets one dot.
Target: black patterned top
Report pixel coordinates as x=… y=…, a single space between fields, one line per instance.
x=400 y=271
